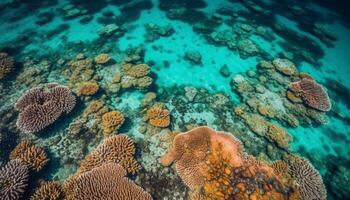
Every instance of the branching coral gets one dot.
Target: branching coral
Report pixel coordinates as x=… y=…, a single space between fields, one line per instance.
x=6 y=65
x=48 y=190
x=107 y=181
x=112 y=121
x=102 y=58
x=312 y=93
x=118 y=149
x=41 y=106
x=13 y=180
x=158 y=116
x=87 y=88
x=308 y=178
x=32 y=155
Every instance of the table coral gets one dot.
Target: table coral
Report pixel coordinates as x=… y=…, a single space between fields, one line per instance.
x=30 y=154
x=13 y=180
x=87 y=88
x=158 y=116
x=312 y=93
x=42 y=105
x=112 y=121
x=118 y=149
x=102 y=58
x=107 y=181
x=6 y=65
x=48 y=190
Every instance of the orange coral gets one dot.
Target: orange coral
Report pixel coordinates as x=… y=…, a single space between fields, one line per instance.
x=112 y=121
x=118 y=149
x=107 y=181
x=87 y=88
x=158 y=116
x=102 y=58
x=32 y=155
x=48 y=190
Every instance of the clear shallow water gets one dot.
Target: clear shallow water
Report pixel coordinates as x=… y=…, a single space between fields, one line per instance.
x=275 y=30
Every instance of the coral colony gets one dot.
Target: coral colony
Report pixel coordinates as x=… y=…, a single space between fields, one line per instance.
x=174 y=100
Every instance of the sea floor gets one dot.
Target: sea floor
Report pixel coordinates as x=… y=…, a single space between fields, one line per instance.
x=205 y=62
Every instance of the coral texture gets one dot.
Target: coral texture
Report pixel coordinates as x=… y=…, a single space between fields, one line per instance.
x=118 y=149
x=312 y=93
x=308 y=178
x=102 y=58
x=112 y=121
x=158 y=116
x=32 y=155
x=48 y=190
x=107 y=181
x=136 y=71
x=13 y=180
x=41 y=106
x=6 y=65
x=87 y=88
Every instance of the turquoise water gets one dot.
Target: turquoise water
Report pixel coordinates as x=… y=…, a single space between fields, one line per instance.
x=195 y=52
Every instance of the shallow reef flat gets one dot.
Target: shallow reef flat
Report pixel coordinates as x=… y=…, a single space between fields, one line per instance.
x=174 y=99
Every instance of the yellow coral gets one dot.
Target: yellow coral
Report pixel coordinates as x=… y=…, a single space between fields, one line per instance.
x=102 y=58
x=87 y=88
x=32 y=155
x=112 y=121
x=158 y=116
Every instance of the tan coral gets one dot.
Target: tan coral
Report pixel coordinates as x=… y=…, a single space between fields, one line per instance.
x=87 y=88
x=32 y=155
x=48 y=190
x=112 y=121
x=102 y=58
x=6 y=65
x=136 y=71
x=158 y=116
x=279 y=135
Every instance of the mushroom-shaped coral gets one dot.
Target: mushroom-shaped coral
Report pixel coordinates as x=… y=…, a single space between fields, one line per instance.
x=112 y=121
x=41 y=106
x=87 y=88
x=102 y=58
x=13 y=180
x=32 y=155
x=6 y=65
x=107 y=181
x=118 y=149
x=312 y=93
x=308 y=178
x=158 y=116
x=48 y=190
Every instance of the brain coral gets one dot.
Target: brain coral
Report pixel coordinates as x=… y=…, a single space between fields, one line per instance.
x=158 y=116
x=312 y=93
x=42 y=105
x=13 y=180
x=6 y=64
x=48 y=190
x=107 y=181
x=118 y=149
x=32 y=155
x=308 y=178
x=112 y=121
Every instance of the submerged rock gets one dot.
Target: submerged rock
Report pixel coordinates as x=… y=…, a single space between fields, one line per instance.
x=225 y=71
x=193 y=56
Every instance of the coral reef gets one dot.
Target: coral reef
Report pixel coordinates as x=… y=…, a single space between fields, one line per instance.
x=312 y=93
x=193 y=56
x=102 y=58
x=48 y=190
x=13 y=180
x=135 y=76
x=118 y=149
x=42 y=105
x=284 y=66
x=158 y=116
x=107 y=181
x=111 y=122
x=6 y=65
x=154 y=31
x=87 y=88
x=30 y=154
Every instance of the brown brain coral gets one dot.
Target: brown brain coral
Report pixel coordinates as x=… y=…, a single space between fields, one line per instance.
x=107 y=181
x=48 y=190
x=158 y=116
x=112 y=121
x=13 y=180
x=41 y=106
x=6 y=65
x=118 y=149
x=312 y=93
x=32 y=155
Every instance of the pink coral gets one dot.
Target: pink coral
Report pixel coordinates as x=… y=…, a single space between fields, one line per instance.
x=13 y=180
x=42 y=105
x=312 y=93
